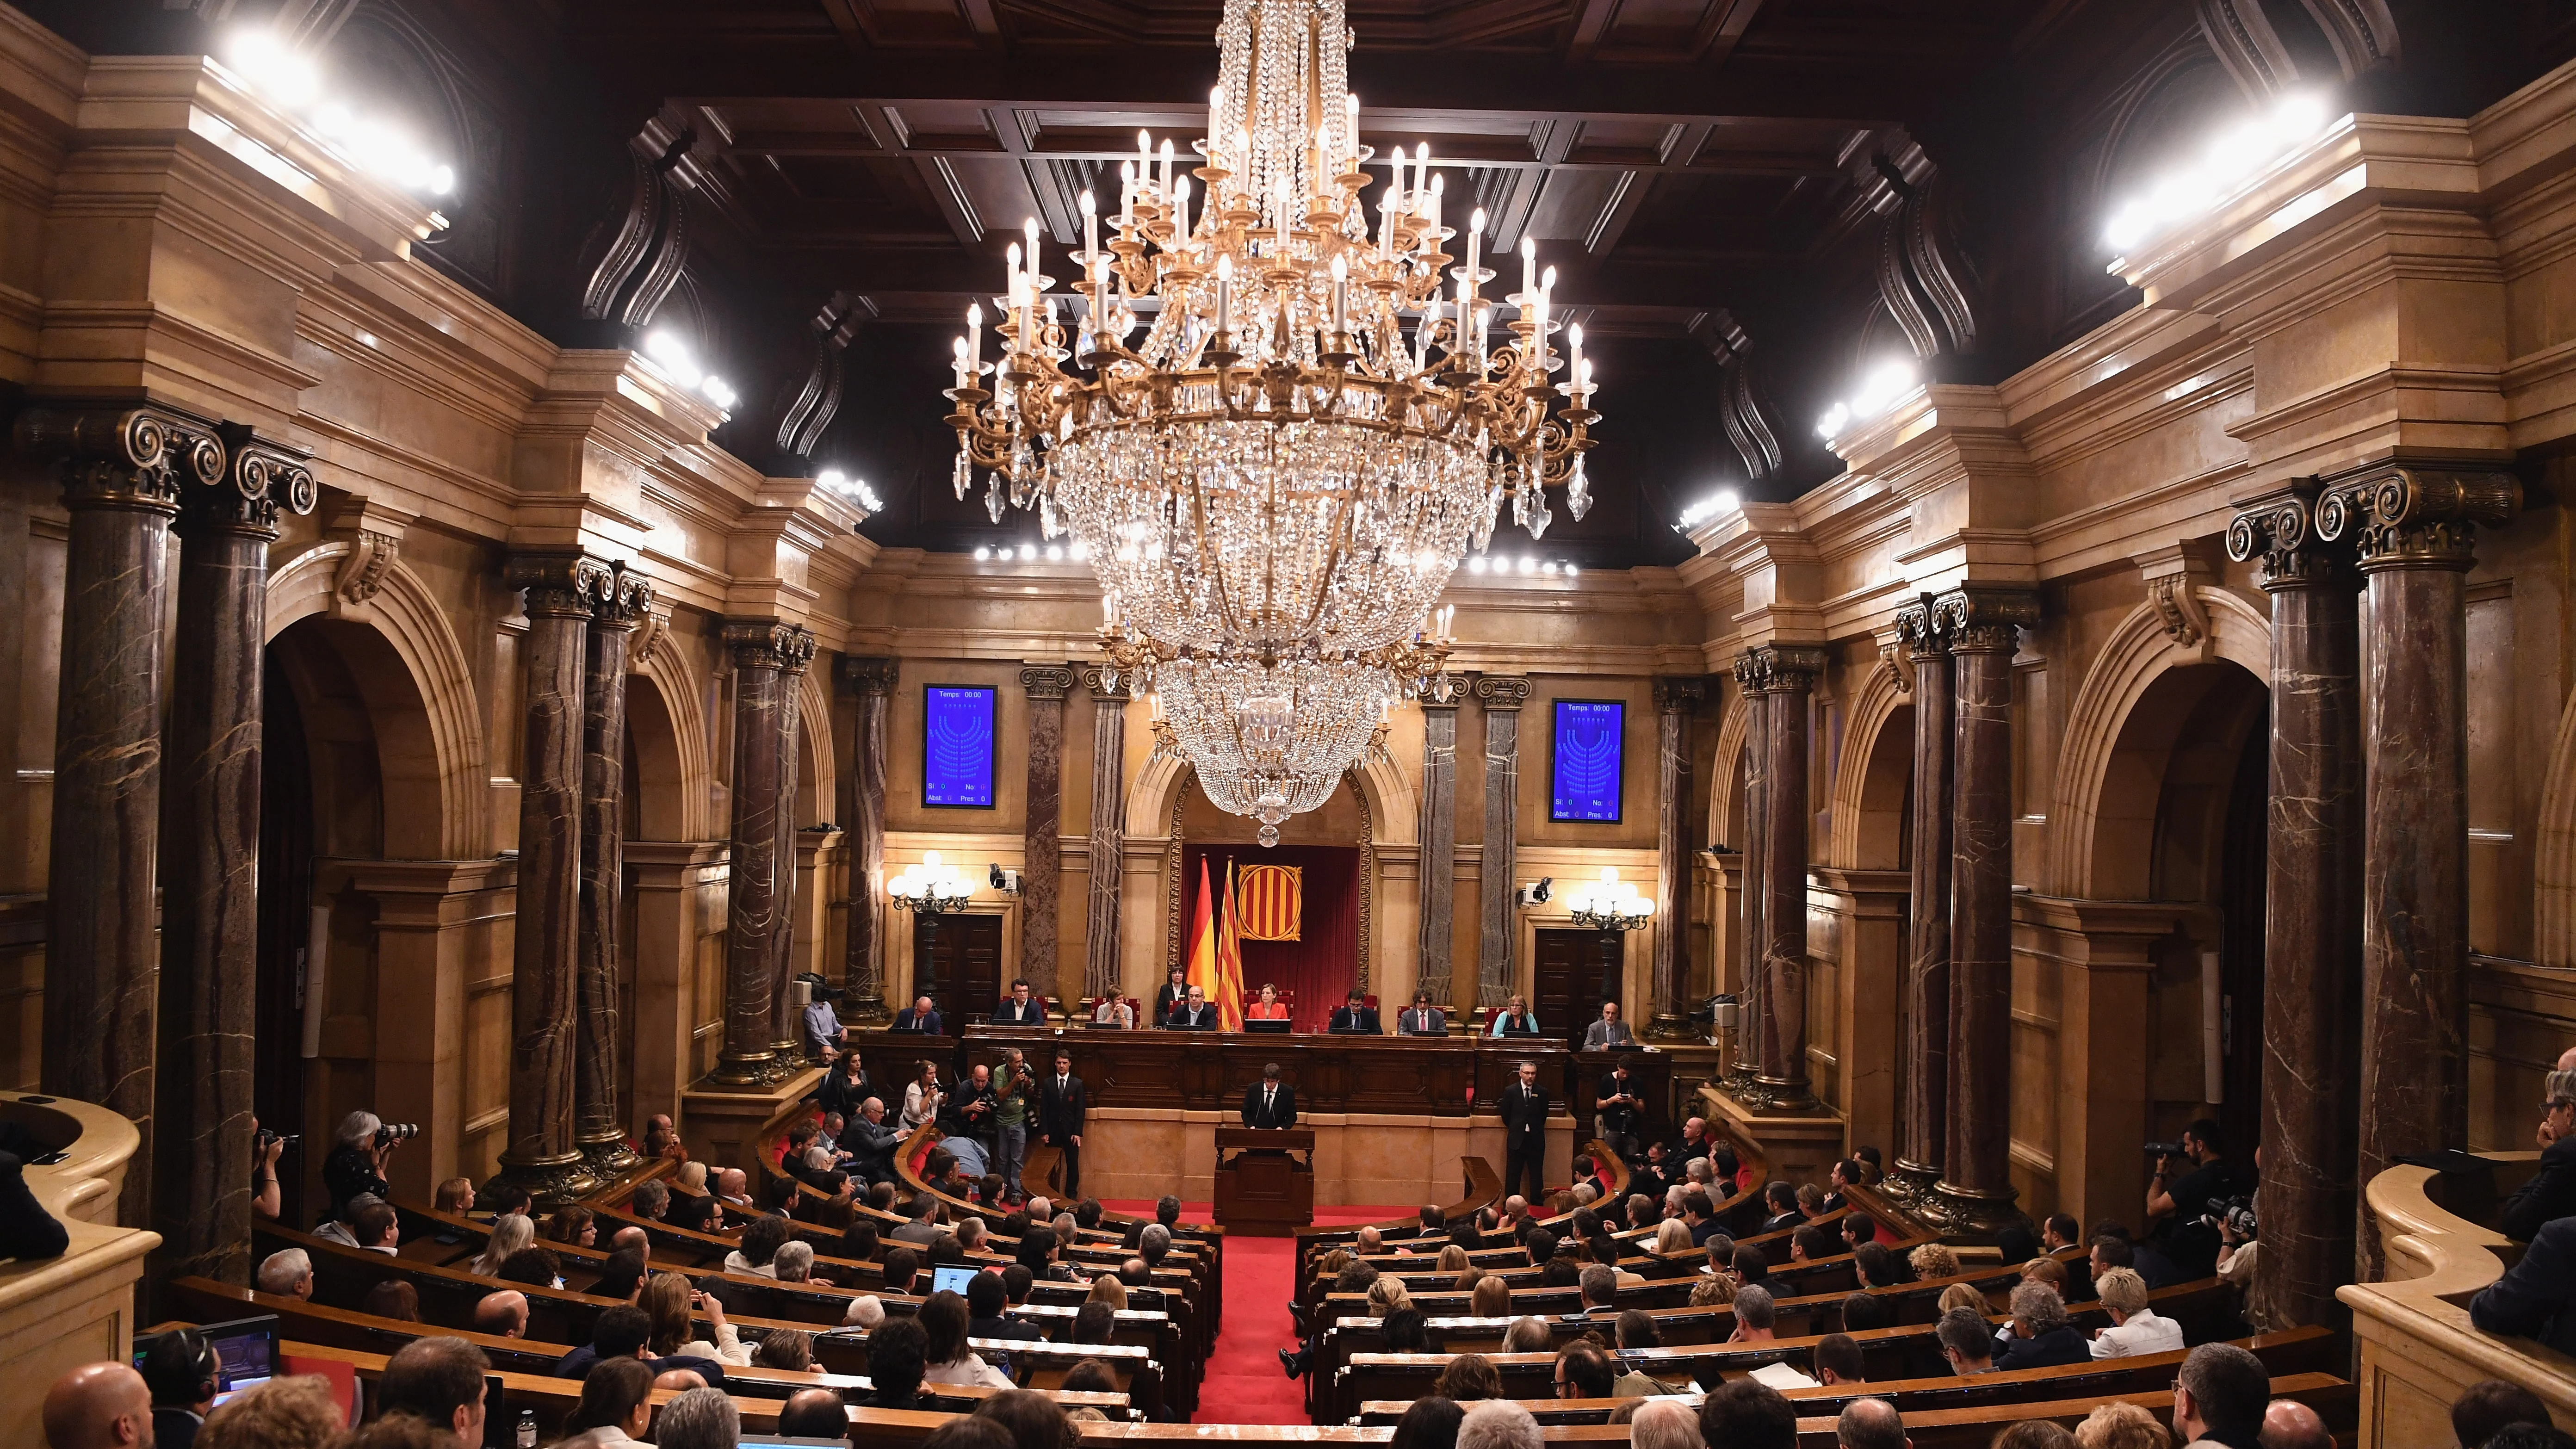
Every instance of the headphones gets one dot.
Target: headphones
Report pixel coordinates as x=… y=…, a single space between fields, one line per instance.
x=181 y=1368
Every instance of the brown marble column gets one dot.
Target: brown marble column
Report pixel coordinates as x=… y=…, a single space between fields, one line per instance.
x=1435 y=942
x=2312 y=977
x=787 y=1056
x=2416 y=534
x=1677 y=700
x=1109 y=692
x=1752 y=681
x=863 y=973
x=599 y=1036
x=761 y=650
x=1786 y=677
x=1927 y=970
x=1497 y=969
x=1042 y=840
x=562 y=590
x=123 y=470
x=1984 y=627
x=210 y=861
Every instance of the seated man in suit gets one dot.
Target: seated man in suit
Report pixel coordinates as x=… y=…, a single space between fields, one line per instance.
x=1192 y=1014
x=871 y=1143
x=1355 y=1017
x=1422 y=1018
x=922 y=1017
x=1609 y=1031
x=1270 y=1102
x=1020 y=1008
x=1516 y=1020
x=819 y=1026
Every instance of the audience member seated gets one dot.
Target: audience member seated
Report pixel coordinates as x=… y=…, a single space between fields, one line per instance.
x=297 y=1412
x=668 y=1302
x=922 y=1017
x=1780 y=1200
x=438 y=1381
x=98 y=1406
x=1754 y=1315
x=790 y=1350
x=1932 y=1261
x=2134 y=1331
x=896 y=1363
x=503 y=1314
x=288 y=1273
x=616 y=1406
x=2219 y=1397
x=538 y=1266
x=814 y=1414
x=182 y=1370
x=698 y=1419
x=1741 y=1414
x=758 y=1250
x=455 y=1195
x=1965 y=1343
x=2121 y=1425
x=1838 y=1360
x=1869 y=1424
x=2289 y=1424
x=1469 y=1377
x=986 y=1298
x=511 y=1233
x=393 y=1298
x=2551 y=1192
x=1428 y=1423
x=2489 y=1405
x=2532 y=1299
x=2040 y=1335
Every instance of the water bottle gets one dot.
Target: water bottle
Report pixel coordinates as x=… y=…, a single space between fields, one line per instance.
x=527 y=1429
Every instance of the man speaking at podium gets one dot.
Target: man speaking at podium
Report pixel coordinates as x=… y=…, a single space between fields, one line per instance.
x=1270 y=1103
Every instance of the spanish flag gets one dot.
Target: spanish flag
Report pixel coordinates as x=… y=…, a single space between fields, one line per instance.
x=1228 y=994
x=1203 y=948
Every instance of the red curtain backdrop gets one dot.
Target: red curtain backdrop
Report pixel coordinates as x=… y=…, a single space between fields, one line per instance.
x=1318 y=968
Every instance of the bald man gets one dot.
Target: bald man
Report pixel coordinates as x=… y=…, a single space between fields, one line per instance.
x=814 y=1414
x=732 y=1186
x=504 y=1313
x=2289 y=1424
x=99 y=1406
x=631 y=1237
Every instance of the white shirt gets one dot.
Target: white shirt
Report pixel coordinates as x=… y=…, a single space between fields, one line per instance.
x=967 y=1370
x=2144 y=1333
x=737 y=1263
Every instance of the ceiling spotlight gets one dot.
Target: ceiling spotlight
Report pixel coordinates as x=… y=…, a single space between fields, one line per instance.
x=1028 y=551
x=982 y=553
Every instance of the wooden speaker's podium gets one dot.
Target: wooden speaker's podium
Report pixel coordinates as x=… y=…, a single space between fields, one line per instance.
x=1265 y=1180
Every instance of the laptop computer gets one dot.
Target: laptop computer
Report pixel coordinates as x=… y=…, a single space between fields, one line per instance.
x=951 y=1278
x=1277 y=1026
x=245 y=1351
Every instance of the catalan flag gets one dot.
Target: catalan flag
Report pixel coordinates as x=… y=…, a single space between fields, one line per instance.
x=1270 y=899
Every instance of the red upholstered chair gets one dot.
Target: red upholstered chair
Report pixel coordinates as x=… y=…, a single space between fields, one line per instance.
x=1371 y=1000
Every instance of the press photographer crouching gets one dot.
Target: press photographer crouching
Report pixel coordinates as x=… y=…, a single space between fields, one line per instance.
x=359 y=1152
x=2182 y=1240
x=2234 y=1219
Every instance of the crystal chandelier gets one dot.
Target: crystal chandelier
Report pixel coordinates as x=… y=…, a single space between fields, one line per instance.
x=1318 y=420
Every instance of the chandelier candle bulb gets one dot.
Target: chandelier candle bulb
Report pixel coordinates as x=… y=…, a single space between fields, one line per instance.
x=1167 y=165
x=1341 y=296
x=1529 y=269
x=1475 y=252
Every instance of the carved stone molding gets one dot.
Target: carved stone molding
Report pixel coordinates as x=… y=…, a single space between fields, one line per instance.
x=1106 y=683
x=260 y=478
x=1921 y=629
x=1982 y=619
x=1771 y=669
x=2282 y=531
x=1495 y=691
x=560 y=585
x=1047 y=681
x=2243 y=39
x=769 y=644
x=650 y=244
x=2172 y=574
x=651 y=628
x=2417 y=518
x=1895 y=660
x=625 y=602
x=869 y=674
x=112 y=456
x=2362 y=32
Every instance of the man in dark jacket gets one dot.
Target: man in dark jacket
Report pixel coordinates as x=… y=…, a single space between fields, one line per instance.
x=2040 y=1337
x=2551 y=1193
x=183 y=1370
x=2535 y=1297
x=986 y=1297
x=1270 y=1102
x=922 y=1017
x=1524 y=1108
x=1020 y=1008
x=1063 y=1102
x=1354 y=1017
x=871 y=1143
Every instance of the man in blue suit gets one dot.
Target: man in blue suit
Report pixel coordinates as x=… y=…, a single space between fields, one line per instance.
x=922 y=1017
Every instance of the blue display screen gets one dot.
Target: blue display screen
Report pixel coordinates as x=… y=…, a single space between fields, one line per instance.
x=957 y=746
x=1586 y=777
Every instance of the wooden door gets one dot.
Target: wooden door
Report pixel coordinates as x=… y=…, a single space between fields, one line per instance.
x=961 y=965
x=1574 y=970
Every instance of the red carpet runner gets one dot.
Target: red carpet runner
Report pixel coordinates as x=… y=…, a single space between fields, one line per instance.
x=1244 y=1384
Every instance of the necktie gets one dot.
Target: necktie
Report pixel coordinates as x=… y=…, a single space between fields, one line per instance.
x=1059 y=1084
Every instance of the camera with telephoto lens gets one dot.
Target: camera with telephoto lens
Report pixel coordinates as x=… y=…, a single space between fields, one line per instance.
x=2164 y=1149
x=393 y=1132
x=291 y=1140
x=2235 y=1214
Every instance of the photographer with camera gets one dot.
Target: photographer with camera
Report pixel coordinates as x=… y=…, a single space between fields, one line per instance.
x=2193 y=1182
x=265 y=1196
x=361 y=1148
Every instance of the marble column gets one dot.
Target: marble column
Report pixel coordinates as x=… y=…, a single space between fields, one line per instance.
x=1750 y=680
x=1042 y=840
x=599 y=1124
x=562 y=590
x=210 y=861
x=761 y=650
x=1785 y=676
x=2312 y=978
x=1440 y=849
x=1497 y=970
x=1109 y=693
x=122 y=471
x=1984 y=627
x=2416 y=535
x=1927 y=970
x=786 y=1056
x=872 y=680
x=1677 y=700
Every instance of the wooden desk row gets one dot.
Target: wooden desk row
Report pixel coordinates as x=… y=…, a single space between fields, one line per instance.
x=1208 y=1071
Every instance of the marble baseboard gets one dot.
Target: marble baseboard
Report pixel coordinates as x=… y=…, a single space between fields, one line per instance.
x=1131 y=1152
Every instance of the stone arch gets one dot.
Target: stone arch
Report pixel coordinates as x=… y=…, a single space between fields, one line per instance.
x=2097 y=789
x=1726 y=775
x=1866 y=827
x=817 y=775
x=428 y=724
x=675 y=787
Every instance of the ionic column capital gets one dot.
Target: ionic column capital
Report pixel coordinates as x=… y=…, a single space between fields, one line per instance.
x=870 y=674
x=1107 y=684
x=1986 y=620
x=560 y=585
x=1771 y=669
x=1047 y=681
x=1503 y=692
x=2416 y=518
x=769 y=644
x=2280 y=529
x=624 y=601
x=139 y=457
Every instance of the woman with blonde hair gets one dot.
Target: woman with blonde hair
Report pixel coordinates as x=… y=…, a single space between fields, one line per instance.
x=668 y=1303
x=1387 y=1295
x=511 y=1232
x=1672 y=1235
x=1961 y=1295
x=1452 y=1259
x=693 y=1176
x=1108 y=1289
x=1492 y=1298
x=1933 y=1260
x=1713 y=1289
x=2120 y=1424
